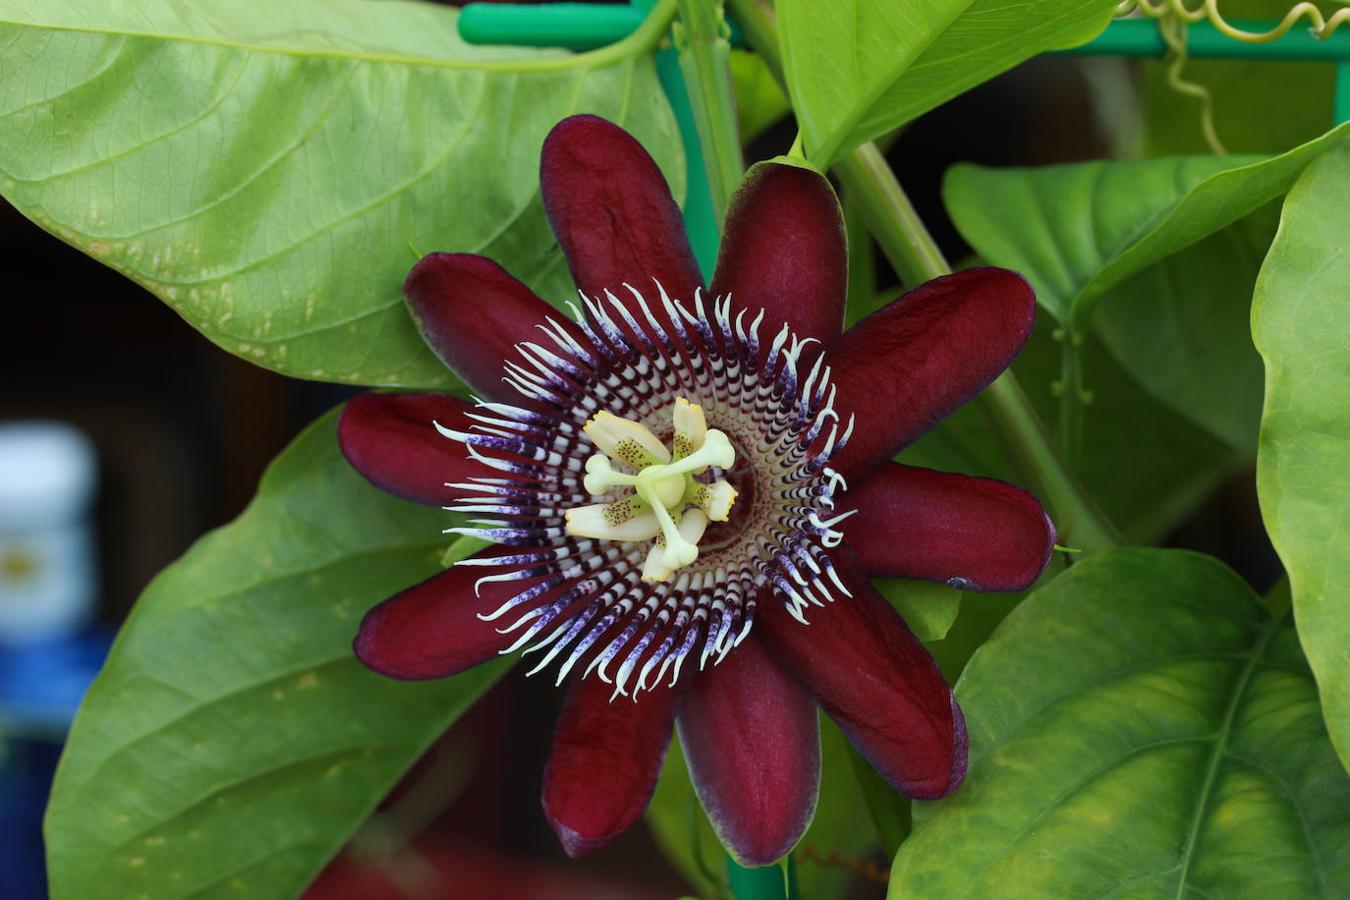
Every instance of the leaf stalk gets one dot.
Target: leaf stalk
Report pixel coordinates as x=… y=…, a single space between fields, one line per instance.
x=704 y=51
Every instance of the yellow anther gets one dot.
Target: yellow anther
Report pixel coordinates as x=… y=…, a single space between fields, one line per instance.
x=690 y=427
x=715 y=499
x=626 y=441
x=626 y=520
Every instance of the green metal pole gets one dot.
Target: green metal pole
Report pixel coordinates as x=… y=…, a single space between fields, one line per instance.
x=573 y=26
x=1341 y=111
x=767 y=883
x=699 y=220
x=576 y=26
x=1140 y=37
x=584 y=26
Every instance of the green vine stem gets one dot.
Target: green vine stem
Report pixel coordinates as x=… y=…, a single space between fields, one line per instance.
x=1172 y=30
x=701 y=39
x=1321 y=26
x=1072 y=396
x=911 y=250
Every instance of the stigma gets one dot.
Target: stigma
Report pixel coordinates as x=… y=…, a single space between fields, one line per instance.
x=655 y=495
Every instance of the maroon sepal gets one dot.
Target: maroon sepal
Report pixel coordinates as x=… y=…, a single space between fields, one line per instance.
x=472 y=313
x=751 y=739
x=784 y=251
x=977 y=534
x=432 y=629
x=613 y=214
x=392 y=440
x=868 y=671
x=604 y=762
x=911 y=363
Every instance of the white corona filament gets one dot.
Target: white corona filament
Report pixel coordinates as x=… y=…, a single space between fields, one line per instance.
x=621 y=548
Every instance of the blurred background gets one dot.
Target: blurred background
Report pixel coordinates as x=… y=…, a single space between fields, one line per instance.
x=154 y=436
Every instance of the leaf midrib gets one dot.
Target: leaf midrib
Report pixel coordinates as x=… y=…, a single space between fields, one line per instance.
x=1220 y=747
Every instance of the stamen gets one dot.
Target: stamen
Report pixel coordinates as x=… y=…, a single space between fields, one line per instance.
x=626 y=441
x=620 y=521
x=690 y=428
x=663 y=487
x=714 y=499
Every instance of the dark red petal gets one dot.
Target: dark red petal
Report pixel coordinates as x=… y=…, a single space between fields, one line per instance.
x=392 y=440
x=784 y=251
x=613 y=214
x=432 y=629
x=752 y=742
x=973 y=533
x=472 y=313
x=604 y=762
x=874 y=678
x=906 y=366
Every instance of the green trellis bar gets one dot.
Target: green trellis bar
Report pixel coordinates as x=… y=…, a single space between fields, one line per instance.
x=1140 y=37
x=584 y=26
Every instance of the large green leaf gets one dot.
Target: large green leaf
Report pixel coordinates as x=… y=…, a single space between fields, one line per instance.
x=232 y=742
x=271 y=170
x=1140 y=727
x=1301 y=323
x=1176 y=324
x=1078 y=230
x=858 y=68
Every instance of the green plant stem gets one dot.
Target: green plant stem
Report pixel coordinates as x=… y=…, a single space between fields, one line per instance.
x=701 y=38
x=1071 y=397
x=916 y=258
x=891 y=218
x=757 y=23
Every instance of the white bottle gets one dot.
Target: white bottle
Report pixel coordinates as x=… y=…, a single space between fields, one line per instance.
x=48 y=474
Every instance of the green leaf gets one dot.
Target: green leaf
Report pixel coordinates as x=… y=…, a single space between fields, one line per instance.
x=858 y=68
x=842 y=824
x=928 y=609
x=1180 y=322
x=1138 y=727
x=1078 y=230
x=232 y=742
x=271 y=170
x=1301 y=323
x=760 y=102
x=1147 y=487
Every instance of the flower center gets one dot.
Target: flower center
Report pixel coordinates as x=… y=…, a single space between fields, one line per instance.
x=667 y=504
x=631 y=580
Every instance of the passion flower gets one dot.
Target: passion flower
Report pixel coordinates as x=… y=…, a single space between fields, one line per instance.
x=675 y=483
